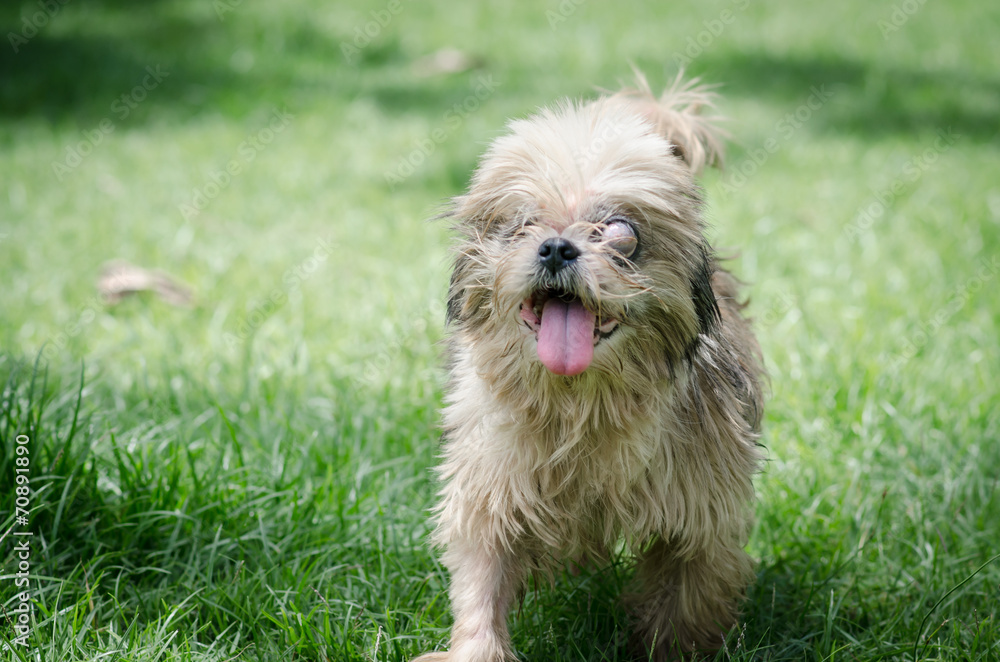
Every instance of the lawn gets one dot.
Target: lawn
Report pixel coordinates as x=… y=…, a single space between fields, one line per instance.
x=246 y=477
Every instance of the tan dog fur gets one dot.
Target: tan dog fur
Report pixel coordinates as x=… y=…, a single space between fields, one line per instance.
x=655 y=442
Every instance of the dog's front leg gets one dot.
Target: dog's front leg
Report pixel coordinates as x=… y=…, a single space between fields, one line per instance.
x=485 y=579
x=690 y=604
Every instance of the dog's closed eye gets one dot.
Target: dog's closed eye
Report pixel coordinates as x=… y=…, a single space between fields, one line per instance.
x=519 y=229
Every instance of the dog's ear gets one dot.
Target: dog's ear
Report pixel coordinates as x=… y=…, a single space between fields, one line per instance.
x=695 y=138
x=703 y=295
x=456 y=292
x=468 y=298
x=463 y=297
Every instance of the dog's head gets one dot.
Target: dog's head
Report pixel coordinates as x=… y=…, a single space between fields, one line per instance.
x=582 y=241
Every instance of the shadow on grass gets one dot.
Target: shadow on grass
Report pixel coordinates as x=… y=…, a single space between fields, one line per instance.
x=869 y=100
x=70 y=70
x=585 y=617
x=793 y=611
x=81 y=62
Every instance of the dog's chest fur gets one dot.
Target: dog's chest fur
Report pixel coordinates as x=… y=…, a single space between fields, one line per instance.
x=575 y=469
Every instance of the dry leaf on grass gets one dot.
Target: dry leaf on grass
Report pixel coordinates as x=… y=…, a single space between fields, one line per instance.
x=119 y=279
x=445 y=61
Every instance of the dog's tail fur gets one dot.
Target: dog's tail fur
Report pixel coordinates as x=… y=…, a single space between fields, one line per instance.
x=696 y=138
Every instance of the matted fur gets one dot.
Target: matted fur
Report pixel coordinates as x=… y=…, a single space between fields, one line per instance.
x=654 y=444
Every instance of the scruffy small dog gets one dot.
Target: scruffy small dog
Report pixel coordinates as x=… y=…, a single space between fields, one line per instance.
x=604 y=387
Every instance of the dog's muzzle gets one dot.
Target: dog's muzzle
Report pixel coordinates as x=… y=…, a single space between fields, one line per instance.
x=556 y=253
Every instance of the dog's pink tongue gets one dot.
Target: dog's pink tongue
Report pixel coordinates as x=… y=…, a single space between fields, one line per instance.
x=566 y=339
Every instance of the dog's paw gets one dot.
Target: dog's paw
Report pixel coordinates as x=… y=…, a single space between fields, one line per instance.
x=433 y=657
x=475 y=650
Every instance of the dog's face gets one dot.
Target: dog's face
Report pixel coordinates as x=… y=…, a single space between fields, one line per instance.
x=582 y=248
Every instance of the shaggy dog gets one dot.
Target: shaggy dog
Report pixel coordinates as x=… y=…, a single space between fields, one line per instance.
x=604 y=386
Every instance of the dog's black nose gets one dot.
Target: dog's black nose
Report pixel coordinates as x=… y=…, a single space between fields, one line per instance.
x=556 y=252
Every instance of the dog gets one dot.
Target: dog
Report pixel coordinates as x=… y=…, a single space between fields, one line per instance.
x=605 y=389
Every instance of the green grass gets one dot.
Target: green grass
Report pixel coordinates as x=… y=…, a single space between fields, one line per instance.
x=248 y=478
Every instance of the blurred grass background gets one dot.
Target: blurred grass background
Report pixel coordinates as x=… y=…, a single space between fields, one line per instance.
x=247 y=478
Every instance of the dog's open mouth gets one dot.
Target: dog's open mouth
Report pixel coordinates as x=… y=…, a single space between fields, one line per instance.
x=567 y=331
